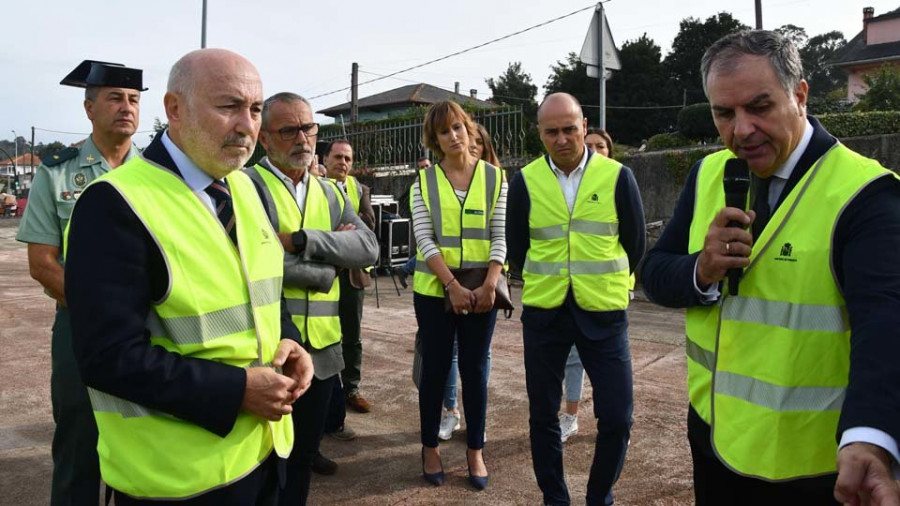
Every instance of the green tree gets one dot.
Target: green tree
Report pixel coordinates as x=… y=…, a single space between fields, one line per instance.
x=822 y=77
x=643 y=83
x=570 y=76
x=514 y=87
x=158 y=126
x=42 y=150
x=883 y=92
x=794 y=33
x=694 y=36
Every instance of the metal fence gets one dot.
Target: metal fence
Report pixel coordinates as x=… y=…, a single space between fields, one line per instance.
x=385 y=144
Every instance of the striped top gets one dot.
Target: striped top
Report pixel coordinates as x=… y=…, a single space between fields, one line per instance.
x=423 y=227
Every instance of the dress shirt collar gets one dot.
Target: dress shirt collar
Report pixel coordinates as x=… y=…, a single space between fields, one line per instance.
x=271 y=166
x=784 y=172
x=196 y=179
x=578 y=170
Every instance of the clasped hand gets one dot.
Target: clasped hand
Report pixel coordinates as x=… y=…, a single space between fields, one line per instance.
x=465 y=301
x=269 y=394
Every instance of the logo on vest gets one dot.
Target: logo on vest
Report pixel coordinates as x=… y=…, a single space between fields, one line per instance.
x=265 y=235
x=476 y=212
x=786 y=251
x=595 y=199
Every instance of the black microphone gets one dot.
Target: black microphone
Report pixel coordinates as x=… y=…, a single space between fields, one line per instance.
x=736 y=183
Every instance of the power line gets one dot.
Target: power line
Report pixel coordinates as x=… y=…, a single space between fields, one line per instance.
x=525 y=99
x=459 y=52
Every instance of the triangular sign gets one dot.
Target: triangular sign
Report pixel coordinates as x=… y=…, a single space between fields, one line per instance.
x=589 y=51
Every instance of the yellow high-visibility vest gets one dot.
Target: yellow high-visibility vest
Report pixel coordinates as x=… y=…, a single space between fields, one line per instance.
x=461 y=231
x=768 y=369
x=223 y=305
x=581 y=249
x=314 y=313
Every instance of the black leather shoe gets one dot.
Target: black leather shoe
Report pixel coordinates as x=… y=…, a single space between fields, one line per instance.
x=436 y=479
x=323 y=465
x=479 y=482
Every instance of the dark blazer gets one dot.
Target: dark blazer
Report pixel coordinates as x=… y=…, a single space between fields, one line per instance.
x=366 y=213
x=632 y=236
x=114 y=270
x=864 y=249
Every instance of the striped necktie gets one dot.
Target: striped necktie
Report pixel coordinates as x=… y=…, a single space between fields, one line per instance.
x=218 y=190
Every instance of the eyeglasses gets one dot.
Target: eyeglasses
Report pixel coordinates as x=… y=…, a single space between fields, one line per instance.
x=290 y=133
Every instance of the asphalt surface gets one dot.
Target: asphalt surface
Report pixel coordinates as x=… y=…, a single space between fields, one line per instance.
x=382 y=466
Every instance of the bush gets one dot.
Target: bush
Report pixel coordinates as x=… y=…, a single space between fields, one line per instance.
x=855 y=124
x=695 y=122
x=667 y=140
x=679 y=163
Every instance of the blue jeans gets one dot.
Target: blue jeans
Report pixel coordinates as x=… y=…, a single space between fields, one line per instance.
x=574 y=376
x=450 y=403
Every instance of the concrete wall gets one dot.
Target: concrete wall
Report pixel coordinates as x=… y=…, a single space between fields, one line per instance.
x=659 y=189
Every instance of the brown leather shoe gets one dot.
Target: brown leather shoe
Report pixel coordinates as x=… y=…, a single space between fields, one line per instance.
x=358 y=403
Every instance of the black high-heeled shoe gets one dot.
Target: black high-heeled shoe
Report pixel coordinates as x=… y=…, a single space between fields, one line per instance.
x=479 y=482
x=436 y=479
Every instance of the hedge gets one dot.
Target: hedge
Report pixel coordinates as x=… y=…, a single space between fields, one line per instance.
x=695 y=122
x=856 y=124
x=679 y=163
x=667 y=140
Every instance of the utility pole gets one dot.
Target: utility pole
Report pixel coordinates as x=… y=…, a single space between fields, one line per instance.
x=16 y=160
x=203 y=28
x=759 y=14
x=601 y=68
x=32 y=151
x=354 y=93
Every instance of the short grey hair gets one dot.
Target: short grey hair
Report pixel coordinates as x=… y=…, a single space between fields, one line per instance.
x=91 y=93
x=780 y=51
x=284 y=97
x=181 y=81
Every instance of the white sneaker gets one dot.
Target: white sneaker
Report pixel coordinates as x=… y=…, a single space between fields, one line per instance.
x=449 y=423
x=568 y=426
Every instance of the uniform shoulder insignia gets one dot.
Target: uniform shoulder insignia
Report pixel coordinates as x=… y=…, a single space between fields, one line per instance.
x=60 y=157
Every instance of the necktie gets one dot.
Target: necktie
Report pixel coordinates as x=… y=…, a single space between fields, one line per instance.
x=760 y=191
x=218 y=190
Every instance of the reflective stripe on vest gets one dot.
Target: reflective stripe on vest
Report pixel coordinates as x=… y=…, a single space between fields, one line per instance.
x=461 y=231
x=768 y=369
x=223 y=304
x=580 y=249
x=314 y=313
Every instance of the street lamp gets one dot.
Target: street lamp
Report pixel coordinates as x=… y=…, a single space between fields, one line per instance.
x=16 y=159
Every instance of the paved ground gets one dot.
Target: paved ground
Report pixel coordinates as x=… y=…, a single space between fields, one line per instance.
x=382 y=465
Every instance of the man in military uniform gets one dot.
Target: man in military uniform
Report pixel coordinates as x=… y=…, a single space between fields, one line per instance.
x=111 y=101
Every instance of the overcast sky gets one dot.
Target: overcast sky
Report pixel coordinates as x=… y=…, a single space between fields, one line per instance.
x=308 y=47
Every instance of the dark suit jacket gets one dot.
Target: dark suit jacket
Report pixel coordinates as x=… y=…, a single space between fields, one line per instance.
x=864 y=255
x=366 y=213
x=632 y=236
x=113 y=271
